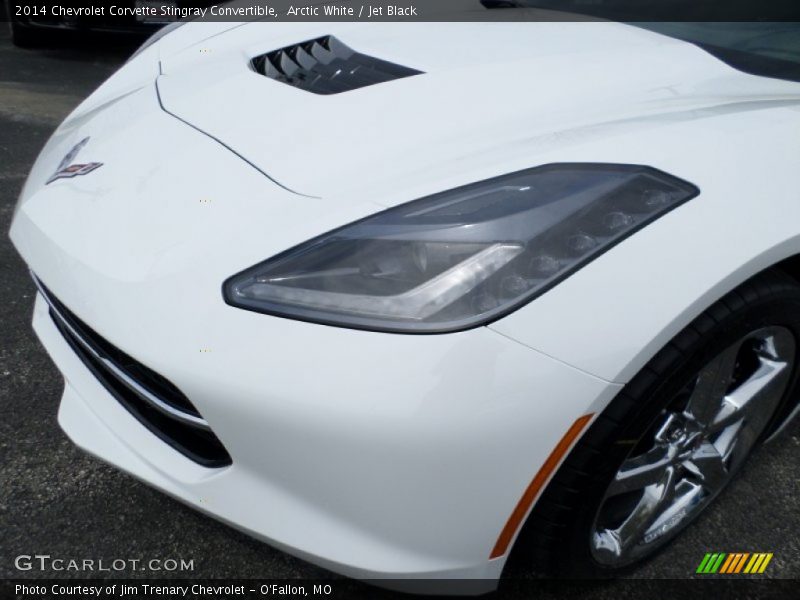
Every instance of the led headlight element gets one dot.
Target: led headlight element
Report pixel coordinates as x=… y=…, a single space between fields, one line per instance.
x=460 y=258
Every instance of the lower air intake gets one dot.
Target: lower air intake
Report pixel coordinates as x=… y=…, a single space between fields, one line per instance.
x=150 y=398
x=327 y=66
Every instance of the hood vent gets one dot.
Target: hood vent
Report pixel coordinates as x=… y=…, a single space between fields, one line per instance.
x=327 y=66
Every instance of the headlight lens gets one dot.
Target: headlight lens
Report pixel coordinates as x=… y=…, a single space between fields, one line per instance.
x=461 y=258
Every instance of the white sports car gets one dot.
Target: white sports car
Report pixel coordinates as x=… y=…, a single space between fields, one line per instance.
x=400 y=298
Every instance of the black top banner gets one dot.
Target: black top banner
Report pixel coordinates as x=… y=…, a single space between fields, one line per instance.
x=165 y=11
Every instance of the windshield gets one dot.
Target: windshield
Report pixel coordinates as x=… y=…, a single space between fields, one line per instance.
x=770 y=49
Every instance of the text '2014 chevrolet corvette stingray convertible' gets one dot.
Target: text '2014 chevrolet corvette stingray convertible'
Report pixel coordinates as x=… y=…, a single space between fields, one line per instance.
x=400 y=298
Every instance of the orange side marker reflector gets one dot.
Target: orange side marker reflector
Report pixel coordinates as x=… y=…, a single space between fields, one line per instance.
x=532 y=492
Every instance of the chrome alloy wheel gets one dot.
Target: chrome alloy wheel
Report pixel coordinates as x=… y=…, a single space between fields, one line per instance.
x=694 y=448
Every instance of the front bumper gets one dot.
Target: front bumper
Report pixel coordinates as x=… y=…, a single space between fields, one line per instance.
x=397 y=458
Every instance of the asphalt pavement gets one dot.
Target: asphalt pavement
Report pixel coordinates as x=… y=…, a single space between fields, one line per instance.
x=55 y=500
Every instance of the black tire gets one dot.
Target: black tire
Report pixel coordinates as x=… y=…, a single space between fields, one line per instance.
x=558 y=531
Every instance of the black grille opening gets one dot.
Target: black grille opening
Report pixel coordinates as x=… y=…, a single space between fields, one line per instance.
x=193 y=440
x=327 y=66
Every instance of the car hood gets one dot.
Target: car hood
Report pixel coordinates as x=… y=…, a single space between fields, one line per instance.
x=490 y=94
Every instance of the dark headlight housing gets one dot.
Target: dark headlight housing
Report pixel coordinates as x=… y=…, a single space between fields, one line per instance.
x=461 y=258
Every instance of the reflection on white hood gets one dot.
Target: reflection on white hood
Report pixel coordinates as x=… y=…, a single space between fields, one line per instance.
x=490 y=93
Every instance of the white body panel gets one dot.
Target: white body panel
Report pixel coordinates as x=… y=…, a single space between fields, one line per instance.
x=385 y=455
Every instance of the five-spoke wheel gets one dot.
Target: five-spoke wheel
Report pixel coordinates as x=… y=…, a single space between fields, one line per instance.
x=696 y=447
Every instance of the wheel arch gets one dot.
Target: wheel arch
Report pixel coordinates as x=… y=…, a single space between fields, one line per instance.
x=581 y=462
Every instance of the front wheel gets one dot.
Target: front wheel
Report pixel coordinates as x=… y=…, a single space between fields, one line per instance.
x=674 y=438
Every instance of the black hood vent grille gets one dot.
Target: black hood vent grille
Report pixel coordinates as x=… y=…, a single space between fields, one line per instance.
x=327 y=66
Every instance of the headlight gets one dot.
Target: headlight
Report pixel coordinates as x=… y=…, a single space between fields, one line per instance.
x=461 y=258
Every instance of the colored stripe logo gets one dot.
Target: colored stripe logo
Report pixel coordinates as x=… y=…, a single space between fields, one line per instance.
x=734 y=563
